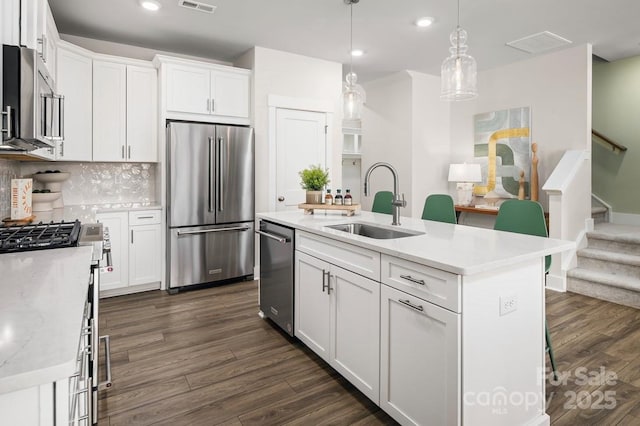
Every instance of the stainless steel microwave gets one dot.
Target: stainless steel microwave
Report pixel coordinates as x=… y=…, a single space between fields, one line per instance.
x=32 y=113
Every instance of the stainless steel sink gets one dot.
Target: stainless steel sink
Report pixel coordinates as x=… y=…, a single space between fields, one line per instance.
x=374 y=231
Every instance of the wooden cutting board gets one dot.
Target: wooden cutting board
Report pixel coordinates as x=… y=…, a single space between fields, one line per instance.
x=8 y=221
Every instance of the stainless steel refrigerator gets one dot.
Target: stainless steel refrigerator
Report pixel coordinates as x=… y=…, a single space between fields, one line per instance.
x=210 y=196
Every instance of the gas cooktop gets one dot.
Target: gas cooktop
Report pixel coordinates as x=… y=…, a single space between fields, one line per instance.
x=39 y=236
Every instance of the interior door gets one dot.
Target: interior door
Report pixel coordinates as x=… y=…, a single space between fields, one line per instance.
x=301 y=141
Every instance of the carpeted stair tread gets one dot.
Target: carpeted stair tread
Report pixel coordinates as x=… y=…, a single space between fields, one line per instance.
x=610 y=256
x=620 y=238
x=609 y=279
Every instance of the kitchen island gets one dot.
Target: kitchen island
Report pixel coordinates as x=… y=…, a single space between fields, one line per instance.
x=442 y=326
x=42 y=300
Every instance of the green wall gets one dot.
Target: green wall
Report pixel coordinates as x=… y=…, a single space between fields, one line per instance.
x=616 y=114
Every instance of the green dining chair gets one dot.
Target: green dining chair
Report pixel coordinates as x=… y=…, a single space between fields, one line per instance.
x=439 y=207
x=527 y=217
x=382 y=202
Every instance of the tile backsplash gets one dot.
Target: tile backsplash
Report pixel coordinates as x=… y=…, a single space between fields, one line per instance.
x=101 y=183
x=8 y=170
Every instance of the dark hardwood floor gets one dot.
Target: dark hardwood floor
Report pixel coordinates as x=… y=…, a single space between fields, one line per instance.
x=205 y=358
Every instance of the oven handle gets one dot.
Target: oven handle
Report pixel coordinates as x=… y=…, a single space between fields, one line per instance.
x=107 y=362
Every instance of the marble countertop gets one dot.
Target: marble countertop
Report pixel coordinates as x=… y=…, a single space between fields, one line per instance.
x=458 y=249
x=42 y=297
x=87 y=212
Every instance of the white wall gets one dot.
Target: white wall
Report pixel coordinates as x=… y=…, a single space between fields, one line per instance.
x=556 y=86
x=294 y=76
x=431 y=141
x=407 y=125
x=387 y=136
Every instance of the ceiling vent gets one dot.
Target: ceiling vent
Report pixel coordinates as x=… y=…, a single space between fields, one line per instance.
x=196 y=5
x=540 y=42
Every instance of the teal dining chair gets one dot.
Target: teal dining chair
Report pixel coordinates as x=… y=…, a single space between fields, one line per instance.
x=527 y=217
x=382 y=202
x=439 y=207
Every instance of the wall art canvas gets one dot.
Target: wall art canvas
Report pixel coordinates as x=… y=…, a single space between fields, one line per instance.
x=502 y=146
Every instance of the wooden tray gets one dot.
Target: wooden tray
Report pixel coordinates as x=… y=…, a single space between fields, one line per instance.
x=309 y=208
x=8 y=221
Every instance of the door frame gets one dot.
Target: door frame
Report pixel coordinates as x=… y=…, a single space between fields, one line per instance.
x=275 y=102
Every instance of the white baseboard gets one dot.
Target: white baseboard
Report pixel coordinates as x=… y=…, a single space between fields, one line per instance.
x=557 y=283
x=625 y=219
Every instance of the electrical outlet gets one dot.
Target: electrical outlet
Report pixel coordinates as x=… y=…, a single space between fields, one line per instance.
x=508 y=304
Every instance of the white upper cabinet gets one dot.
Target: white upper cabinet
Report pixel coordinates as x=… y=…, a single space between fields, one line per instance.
x=188 y=89
x=230 y=94
x=75 y=82
x=142 y=114
x=204 y=92
x=109 y=111
x=38 y=31
x=10 y=22
x=124 y=112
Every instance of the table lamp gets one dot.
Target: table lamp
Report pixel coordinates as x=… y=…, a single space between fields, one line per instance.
x=464 y=174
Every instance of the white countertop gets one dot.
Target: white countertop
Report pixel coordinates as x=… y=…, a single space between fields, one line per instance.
x=458 y=249
x=86 y=213
x=42 y=297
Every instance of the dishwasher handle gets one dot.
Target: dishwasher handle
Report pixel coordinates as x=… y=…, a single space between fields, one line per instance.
x=282 y=240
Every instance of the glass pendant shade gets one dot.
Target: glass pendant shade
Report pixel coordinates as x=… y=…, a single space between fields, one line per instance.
x=459 y=74
x=352 y=98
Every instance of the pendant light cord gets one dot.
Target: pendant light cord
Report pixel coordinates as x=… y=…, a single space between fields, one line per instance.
x=458 y=32
x=351 y=40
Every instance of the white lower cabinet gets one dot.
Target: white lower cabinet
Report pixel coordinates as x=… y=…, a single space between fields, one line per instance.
x=144 y=254
x=337 y=316
x=136 y=251
x=419 y=360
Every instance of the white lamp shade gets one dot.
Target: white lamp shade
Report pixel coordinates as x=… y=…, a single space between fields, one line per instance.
x=465 y=173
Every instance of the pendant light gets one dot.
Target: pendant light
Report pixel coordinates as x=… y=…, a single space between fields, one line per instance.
x=459 y=70
x=352 y=93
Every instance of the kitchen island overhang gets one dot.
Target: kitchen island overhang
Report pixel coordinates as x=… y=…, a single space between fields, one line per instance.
x=496 y=306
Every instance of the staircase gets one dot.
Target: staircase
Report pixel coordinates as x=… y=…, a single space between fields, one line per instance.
x=609 y=267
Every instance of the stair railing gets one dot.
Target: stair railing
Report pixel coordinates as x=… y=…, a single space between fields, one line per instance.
x=569 y=190
x=614 y=145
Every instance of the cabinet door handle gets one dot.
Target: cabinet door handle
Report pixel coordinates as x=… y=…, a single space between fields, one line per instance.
x=123 y=152
x=329 y=282
x=324 y=281
x=413 y=280
x=132 y=236
x=129 y=148
x=144 y=217
x=208 y=105
x=411 y=305
x=213 y=105
x=8 y=130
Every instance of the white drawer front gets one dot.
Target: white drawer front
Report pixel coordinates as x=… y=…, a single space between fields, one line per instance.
x=144 y=217
x=433 y=285
x=353 y=258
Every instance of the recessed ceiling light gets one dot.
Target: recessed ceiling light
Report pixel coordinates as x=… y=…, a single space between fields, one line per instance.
x=151 y=5
x=357 y=52
x=424 y=22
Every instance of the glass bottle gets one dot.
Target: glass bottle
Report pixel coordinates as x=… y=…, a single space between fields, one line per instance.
x=328 y=198
x=348 y=199
x=337 y=200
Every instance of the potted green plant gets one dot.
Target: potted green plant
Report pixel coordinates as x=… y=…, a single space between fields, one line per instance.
x=314 y=179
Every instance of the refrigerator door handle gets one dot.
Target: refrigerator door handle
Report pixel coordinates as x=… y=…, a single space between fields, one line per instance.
x=205 y=231
x=211 y=176
x=221 y=172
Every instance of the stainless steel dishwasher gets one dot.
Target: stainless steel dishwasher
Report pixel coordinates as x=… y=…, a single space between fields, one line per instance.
x=276 y=274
